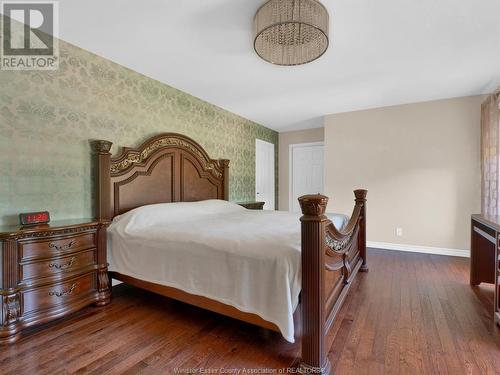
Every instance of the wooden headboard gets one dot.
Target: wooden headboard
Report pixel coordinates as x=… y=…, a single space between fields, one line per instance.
x=167 y=168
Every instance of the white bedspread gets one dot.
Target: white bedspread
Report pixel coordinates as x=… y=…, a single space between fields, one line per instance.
x=244 y=258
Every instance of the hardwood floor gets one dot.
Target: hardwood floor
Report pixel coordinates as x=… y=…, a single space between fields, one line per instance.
x=411 y=314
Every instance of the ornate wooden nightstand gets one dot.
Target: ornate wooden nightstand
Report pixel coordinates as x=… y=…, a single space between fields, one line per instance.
x=49 y=272
x=252 y=205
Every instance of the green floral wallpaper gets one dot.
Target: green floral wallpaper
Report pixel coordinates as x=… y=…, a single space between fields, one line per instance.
x=47 y=119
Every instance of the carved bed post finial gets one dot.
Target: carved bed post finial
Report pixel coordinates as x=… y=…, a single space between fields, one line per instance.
x=101 y=146
x=102 y=149
x=360 y=195
x=314 y=359
x=313 y=205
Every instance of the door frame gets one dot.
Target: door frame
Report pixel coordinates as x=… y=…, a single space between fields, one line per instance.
x=290 y=166
x=258 y=140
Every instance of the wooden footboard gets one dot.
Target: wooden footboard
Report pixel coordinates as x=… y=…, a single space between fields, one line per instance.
x=331 y=259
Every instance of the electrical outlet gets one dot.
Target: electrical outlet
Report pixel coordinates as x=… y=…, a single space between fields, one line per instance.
x=399 y=232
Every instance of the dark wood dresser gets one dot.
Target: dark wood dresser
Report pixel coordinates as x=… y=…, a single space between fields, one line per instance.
x=48 y=272
x=485 y=255
x=252 y=205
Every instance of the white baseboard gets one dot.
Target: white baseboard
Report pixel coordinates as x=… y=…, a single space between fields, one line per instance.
x=419 y=249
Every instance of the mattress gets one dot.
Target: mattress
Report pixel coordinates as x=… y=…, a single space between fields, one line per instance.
x=247 y=259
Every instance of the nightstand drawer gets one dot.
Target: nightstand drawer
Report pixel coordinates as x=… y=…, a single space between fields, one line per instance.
x=50 y=247
x=53 y=266
x=47 y=297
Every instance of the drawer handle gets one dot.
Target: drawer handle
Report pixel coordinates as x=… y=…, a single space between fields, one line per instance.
x=69 y=245
x=62 y=293
x=59 y=266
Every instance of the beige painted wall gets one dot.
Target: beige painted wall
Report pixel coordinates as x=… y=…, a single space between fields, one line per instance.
x=285 y=140
x=420 y=163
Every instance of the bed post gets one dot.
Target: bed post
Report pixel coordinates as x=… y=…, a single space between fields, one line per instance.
x=102 y=149
x=360 y=195
x=313 y=222
x=103 y=214
x=224 y=163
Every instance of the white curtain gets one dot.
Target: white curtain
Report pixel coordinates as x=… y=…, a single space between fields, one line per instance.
x=490 y=155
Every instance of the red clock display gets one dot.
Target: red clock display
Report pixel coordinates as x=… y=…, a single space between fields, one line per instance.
x=34 y=218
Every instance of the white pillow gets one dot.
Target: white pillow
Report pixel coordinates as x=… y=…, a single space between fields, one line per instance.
x=165 y=213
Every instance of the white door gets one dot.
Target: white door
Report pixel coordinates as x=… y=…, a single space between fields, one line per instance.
x=306 y=171
x=264 y=173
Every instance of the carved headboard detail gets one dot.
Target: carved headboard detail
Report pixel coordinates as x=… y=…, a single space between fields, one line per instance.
x=169 y=167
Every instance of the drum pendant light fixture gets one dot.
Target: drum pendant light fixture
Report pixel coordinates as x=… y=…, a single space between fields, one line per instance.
x=291 y=32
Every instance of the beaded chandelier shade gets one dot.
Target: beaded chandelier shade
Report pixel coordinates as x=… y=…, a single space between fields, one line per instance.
x=291 y=32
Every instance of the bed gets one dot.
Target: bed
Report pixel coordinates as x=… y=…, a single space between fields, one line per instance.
x=174 y=232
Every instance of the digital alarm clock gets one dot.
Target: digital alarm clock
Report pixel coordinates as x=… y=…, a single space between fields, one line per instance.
x=34 y=218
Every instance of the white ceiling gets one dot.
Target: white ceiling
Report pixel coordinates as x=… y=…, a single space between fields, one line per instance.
x=382 y=52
